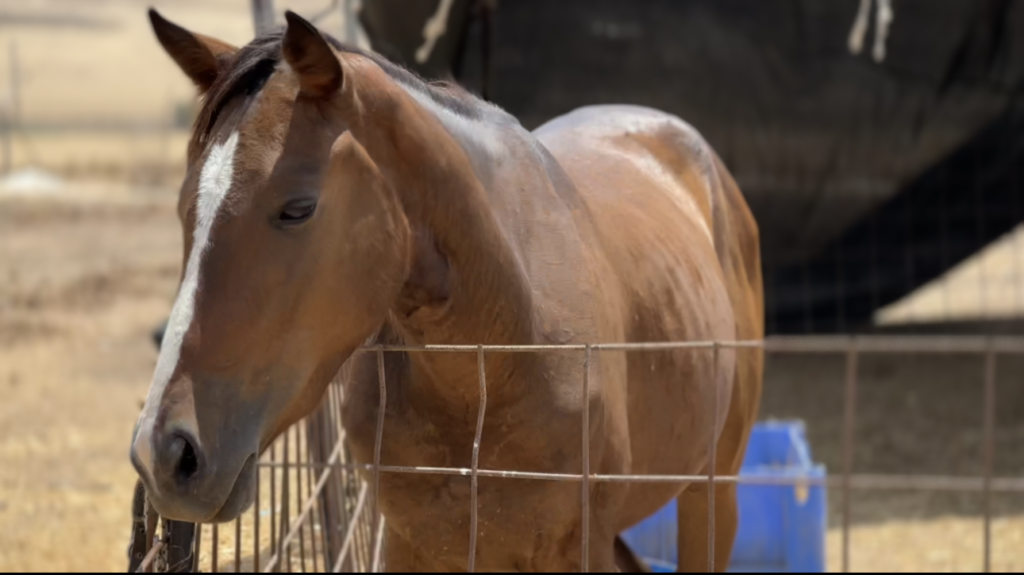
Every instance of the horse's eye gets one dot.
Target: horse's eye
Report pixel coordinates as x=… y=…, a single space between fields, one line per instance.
x=296 y=212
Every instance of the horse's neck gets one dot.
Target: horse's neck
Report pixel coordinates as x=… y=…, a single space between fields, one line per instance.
x=503 y=155
x=502 y=162
x=465 y=185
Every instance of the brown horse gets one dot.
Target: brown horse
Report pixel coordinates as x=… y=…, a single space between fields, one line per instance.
x=333 y=198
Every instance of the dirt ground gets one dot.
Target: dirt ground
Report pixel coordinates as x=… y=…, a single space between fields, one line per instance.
x=919 y=415
x=85 y=274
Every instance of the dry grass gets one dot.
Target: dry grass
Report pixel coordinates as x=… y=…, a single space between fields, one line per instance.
x=146 y=157
x=109 y=67
x=916 y=415
x=81 y=284
x=94 y=69
x=946 y=544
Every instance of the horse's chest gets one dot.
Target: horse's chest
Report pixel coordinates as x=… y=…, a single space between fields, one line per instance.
x=513 y=521
x=516 y=518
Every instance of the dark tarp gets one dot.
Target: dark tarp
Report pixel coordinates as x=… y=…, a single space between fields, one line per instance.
x=867 y=179
x=395 y=28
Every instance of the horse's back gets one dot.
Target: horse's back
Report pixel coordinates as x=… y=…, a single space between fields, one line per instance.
x=679 y=234
x=652 y=183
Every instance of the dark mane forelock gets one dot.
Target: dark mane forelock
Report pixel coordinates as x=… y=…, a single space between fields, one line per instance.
x=255 y=62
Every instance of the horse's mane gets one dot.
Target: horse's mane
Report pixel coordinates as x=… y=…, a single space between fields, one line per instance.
x=255 y=62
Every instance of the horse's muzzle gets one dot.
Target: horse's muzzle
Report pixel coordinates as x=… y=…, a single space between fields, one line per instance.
x=185 y=483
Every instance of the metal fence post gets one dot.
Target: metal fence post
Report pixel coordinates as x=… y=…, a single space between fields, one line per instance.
x=263 y=15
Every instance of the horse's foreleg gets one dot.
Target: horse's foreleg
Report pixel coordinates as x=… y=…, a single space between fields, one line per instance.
x=626 y=561
x=693 y=502
x=400 y=556
x=605 y=556
x=693 y=527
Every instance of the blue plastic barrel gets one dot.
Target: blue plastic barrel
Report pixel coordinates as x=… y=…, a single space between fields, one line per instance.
x=782 y=527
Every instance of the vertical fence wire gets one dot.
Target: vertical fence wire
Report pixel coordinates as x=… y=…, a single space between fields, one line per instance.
x=151 y=526
x=273 y=500
x=363 y=544
x=334 y=514
x=378 y=549
x=282 y=548
x=352 y=528
x=314 y=517
x=238 y=542
x=214 y=548
x=197 y=547
x=585 y=482
x=298 y=494
x=849 y=413
x=377 y=444
x=359 y=523
x=474 y=477
x=712 y=459
x=989 y=450
x=256 y=526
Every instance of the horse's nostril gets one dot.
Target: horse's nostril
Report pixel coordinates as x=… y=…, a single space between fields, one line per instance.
x=188 y=464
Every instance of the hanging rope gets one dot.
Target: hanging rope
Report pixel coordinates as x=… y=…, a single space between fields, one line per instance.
x=883 y=19
x=434 y=28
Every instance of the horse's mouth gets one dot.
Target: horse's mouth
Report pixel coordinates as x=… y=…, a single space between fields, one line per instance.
x=242 y=494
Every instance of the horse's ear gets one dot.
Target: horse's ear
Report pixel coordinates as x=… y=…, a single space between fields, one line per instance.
x=311 y=57
x=201 y=58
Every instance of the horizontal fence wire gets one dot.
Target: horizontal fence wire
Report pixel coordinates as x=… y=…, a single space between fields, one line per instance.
x=866 y=482
x=772 y=344
x=339 y=507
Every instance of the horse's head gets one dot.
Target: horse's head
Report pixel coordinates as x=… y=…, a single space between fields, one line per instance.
x=293 y=250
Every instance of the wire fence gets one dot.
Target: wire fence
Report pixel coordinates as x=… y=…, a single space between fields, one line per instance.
x=947 y=248
x=316 y=512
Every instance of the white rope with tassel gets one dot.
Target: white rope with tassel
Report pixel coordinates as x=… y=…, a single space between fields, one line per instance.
x=883 y=20
x=434 y=28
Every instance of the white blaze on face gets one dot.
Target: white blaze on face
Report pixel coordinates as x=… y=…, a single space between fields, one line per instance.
x=214 y=184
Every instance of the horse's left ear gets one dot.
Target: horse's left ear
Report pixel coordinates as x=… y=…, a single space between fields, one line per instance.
x=311 y=57
x=201 y=58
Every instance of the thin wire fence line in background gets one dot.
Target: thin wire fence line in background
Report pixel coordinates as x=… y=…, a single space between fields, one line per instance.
x=363 y=529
